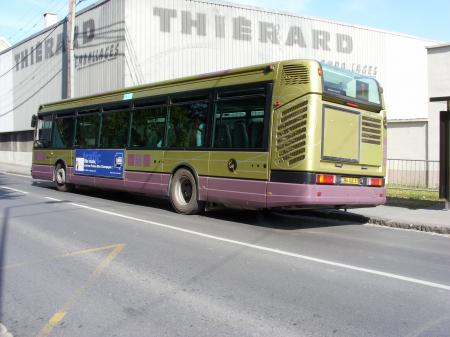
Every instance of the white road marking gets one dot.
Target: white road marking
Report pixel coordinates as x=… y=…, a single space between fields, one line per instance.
x=13 y=189
x=258 y=247
x=53 y=199
x=15 y=174
x=275 y=251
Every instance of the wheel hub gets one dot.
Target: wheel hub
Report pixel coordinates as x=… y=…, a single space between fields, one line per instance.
x=60 y=176
x=186 y=190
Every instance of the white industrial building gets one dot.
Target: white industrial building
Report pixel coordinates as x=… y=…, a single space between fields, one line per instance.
x=121 y=43
x=439 y=84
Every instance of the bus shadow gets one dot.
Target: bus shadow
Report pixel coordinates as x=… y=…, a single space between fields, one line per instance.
x=284 y=220
x=113 y=195
x=280 y=220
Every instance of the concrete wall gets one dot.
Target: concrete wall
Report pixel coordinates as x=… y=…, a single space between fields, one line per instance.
x=439 y=71
x=407 y=139
x=433 y=136
x=409 y=159
x=438 y=86
x=15 y=147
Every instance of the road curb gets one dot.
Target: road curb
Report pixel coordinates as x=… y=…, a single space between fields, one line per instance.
x=422 y=227
x=414 y=226
x=25 y=171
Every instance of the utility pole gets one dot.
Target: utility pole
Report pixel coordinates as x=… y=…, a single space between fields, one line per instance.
x=70 y=55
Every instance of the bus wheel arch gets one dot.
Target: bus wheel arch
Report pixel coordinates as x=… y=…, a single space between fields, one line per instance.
x=60 y=176
x=184 y=191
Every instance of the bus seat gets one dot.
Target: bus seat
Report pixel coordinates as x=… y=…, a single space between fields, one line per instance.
x=195 y=135
x=136 y=140
x=240 y=135
x=335 y=88
x=171 y=136
x=256 y=131
x=223 y=137
x=200 y=134
x=152 y=139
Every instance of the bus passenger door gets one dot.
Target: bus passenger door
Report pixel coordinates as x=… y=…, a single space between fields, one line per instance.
x=238 y=166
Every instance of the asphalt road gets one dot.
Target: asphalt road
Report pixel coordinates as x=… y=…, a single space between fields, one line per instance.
x=98 y=263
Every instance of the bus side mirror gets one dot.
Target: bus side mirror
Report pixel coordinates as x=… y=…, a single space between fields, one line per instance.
x=38 y=144
x=33 y=121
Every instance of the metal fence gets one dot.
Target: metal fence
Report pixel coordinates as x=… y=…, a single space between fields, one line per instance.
x=415 y=175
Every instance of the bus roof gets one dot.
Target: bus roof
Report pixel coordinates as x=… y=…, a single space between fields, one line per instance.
x=202 y=81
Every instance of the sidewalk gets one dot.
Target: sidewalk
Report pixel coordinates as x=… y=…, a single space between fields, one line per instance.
x=426 y=216
x=14 y=168
x=419 y=215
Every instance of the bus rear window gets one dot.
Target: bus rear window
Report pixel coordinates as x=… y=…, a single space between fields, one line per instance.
x=349 y=85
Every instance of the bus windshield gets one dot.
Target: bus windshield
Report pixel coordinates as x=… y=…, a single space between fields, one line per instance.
x=337 y=81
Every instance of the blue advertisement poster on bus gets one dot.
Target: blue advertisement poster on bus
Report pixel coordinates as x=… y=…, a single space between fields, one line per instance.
x=101 y=163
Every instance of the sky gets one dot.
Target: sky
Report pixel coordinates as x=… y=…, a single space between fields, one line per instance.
x=426 y=19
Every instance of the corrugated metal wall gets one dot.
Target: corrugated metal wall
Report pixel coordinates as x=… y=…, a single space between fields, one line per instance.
x=6 y=92
x=37 y=76
x=174 y=38
x=99 y=58
x=128 y=42
x=37 y=66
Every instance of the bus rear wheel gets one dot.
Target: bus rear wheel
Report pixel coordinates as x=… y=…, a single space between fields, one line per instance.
x=60 y=179
x=183 y=193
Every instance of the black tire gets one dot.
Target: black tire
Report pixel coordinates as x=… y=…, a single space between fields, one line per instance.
x=60 y=179
x=183 y=193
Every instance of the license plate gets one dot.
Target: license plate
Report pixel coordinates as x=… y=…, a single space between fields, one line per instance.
x=350 y=181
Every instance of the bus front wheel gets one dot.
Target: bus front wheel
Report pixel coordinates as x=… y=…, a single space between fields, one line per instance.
x=183 y=193
x=60 y=179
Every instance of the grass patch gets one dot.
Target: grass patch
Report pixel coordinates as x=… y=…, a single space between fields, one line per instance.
x=395 y=192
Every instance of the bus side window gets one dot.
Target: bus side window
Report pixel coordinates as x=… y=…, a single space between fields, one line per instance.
x=44 y=132
x=148 y=127
x=187 y=125
x=87 y=128
x=63 y=132
x=114 y=134
x=239 y=123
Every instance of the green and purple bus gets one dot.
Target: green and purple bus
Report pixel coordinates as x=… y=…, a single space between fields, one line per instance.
x=289 y=134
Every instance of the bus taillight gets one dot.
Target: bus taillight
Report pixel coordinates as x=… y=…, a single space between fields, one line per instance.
x=325 y=179
x=375 y=182
x=353 y=105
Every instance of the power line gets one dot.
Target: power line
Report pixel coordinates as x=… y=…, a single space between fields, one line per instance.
x=36 y=70
x=24 y=30
x=28 y=54
x=32 y=94
x=46 y=37
x=22 y=85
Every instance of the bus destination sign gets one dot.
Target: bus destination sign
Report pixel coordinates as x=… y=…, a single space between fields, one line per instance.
x=100 y=163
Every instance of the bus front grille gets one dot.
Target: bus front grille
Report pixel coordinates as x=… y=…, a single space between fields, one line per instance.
x=371 y=130
x=290 y=138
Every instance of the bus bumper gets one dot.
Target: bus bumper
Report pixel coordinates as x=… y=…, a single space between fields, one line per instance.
x=285 y=195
